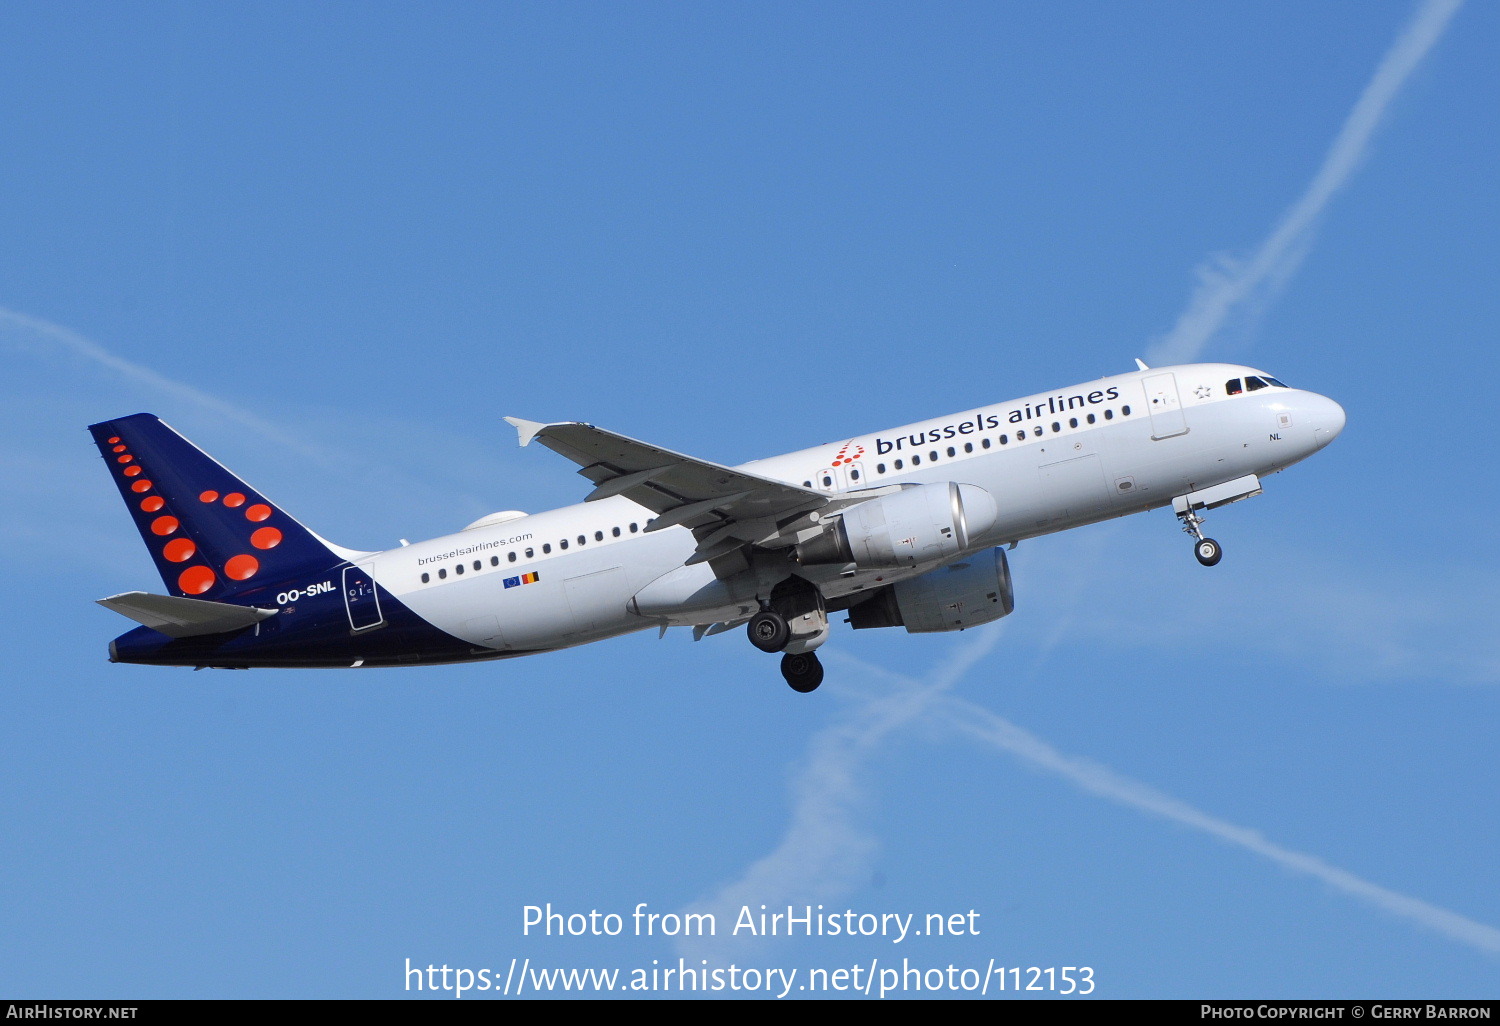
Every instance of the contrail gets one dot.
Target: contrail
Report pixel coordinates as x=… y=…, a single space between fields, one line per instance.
x=825 y=852
x=15 y=323
x=1105 y=782
x=1222 y=288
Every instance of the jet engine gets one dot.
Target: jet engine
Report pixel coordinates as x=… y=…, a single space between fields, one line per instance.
x=919 y=524
x=964 y=594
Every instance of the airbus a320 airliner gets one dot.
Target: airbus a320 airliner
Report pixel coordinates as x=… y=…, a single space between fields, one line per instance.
x=900 y=528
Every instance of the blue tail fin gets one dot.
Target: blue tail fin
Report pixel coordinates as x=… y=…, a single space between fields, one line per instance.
x=209 y=532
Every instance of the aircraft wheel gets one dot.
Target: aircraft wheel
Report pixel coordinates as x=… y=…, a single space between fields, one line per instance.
x=1208 y=551
x=768 y=631
x=802 y=672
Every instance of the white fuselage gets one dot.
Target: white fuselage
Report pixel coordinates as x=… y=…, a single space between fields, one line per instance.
x=1052 y=461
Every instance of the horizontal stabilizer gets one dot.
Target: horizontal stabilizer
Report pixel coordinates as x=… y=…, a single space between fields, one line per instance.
x=184 y=617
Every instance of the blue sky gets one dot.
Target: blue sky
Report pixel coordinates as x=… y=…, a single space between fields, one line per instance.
x=335 y=244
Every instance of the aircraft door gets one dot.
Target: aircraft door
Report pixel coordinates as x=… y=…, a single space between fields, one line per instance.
x=1166 y=410
x=361 y=599
x=848 y=474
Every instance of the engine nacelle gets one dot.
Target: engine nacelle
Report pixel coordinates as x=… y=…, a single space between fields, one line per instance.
x=950 y=598
x=915 y=525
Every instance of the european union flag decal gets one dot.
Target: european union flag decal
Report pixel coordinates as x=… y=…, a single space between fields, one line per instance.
x=512 y=582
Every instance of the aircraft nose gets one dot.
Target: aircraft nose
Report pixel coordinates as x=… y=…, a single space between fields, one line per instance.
x=1328 y=420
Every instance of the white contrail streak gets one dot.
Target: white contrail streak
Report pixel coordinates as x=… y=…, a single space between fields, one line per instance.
x=1224 y=287
x=23 y=325
x=1100 y=780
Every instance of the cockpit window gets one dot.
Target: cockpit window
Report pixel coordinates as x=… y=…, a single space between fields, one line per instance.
x=1232 y=387
x=1278 y=383
x=1254 y=384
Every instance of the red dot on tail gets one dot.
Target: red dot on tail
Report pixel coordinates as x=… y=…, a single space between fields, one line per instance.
x=260 y=511
x=266 y=538
x=195 y=580
x=132 y=471
x=113 y=440
x=179 y=550
x=234 y=499
x=152 y=503
x=119 y=448
x=241 y=567
x=164 y=525
x=143 y=485
x=124 y=459
x=209 y=496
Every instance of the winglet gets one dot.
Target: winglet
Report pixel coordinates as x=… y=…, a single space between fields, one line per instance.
x=1138 y=362
x=527 y=429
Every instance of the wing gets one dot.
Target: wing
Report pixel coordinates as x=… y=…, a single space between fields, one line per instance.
x=725 y=508
x=184 y=617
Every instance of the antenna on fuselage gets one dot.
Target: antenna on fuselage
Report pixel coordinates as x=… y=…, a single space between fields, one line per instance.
x=1141 y=363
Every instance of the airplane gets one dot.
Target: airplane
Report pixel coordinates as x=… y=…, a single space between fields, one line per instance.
x=906 y=527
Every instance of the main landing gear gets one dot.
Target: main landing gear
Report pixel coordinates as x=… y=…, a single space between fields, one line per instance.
x=1207 y=550
x=792 y=621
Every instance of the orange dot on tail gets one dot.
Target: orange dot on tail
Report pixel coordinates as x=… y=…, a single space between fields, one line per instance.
x=234 y=499
x=132 y=471
x=208 y=496
x=119 y=448
x=195 y=580
x=266 y=538
x=143 y=485
x=164 y=525
x=113 y=440
x=179 y=550
x=152 y=503
x=260 y=511
x=241 y=567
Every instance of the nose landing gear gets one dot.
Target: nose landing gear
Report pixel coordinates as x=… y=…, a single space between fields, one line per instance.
x=1208 y=551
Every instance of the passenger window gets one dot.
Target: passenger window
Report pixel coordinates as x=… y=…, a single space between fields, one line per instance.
x=1091 y=418
x=530 y=552
x=546 y=548
x=563 y=544
x=898 y=464
x=1109 y=414
x=512 y=556
x=968 y=447
x=478 y=565
x=1124 y=411
x=827 y=481
x=598 y=536
x=1021 y=435
x=806 y=484
x=443 y=573
x=916 y=461
x=495 y=560
x=1072 y=422
x=426 y=578
x=615 y=531
x=985 y=442
x=854 y=475
x=1056 y=427
x=634 y=528
x=952 y=451
x=583 y=539
x=932 y=456
x=880 y=468
x=1004 y=439
x=458 y=568
x=1232 y=387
